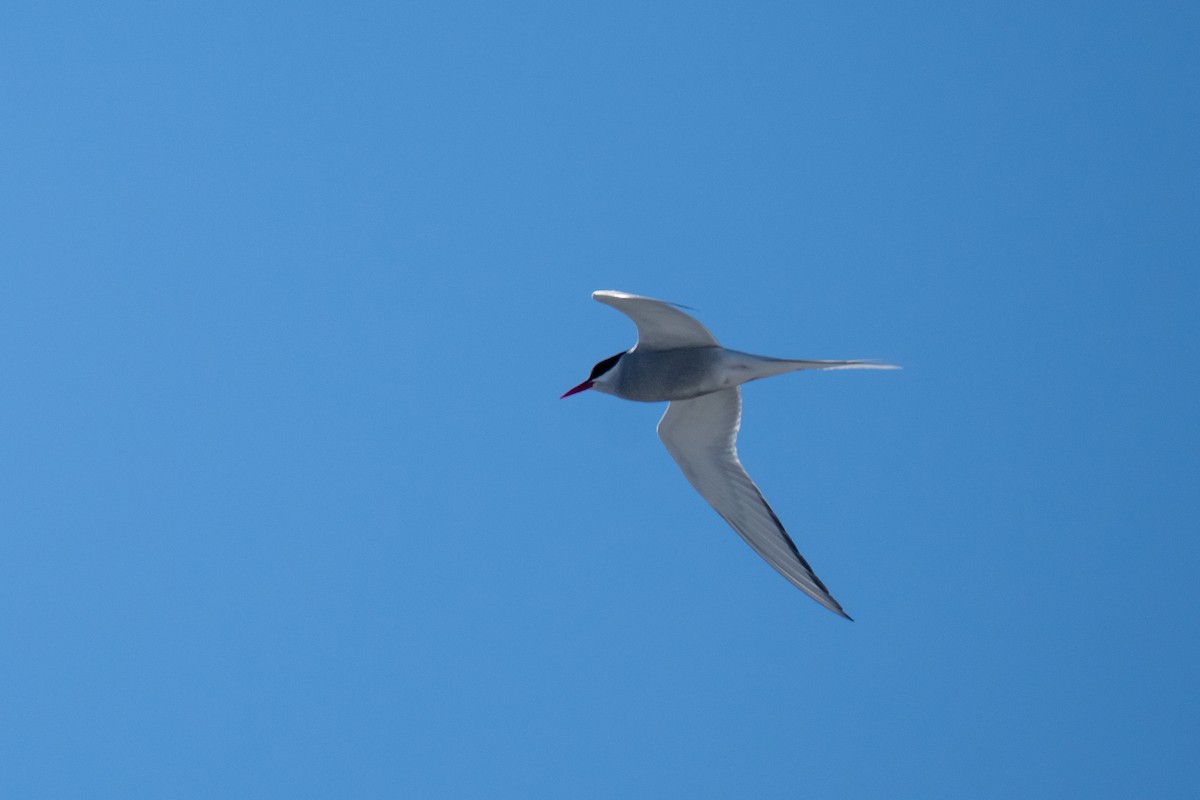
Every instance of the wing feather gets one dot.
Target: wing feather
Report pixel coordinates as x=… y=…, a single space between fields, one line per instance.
x=660 y=325
x=701 y=435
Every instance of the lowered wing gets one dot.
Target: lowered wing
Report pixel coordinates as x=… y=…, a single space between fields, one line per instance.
x=701 y=435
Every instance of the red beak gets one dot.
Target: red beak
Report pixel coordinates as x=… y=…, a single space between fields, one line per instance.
x=579 y=388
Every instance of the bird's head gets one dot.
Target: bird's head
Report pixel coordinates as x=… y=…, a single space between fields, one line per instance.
x=601 y=377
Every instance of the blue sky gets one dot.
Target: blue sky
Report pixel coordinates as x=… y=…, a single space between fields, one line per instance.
x=288 y=294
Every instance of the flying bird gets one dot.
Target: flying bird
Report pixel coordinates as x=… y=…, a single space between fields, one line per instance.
x=676 y=359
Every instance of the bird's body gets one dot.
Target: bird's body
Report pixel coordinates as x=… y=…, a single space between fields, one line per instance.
x=676 y=359
x=684 y=373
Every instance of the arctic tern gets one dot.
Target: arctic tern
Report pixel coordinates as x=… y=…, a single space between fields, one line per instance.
x=676 y=359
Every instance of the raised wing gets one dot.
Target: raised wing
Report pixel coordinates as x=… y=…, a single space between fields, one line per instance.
x=701 y=435
x=660 y=325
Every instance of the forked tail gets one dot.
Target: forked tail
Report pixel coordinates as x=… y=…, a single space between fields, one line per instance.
x=856 y=364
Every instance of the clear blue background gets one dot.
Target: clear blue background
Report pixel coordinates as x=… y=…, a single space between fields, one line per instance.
x=290 y=506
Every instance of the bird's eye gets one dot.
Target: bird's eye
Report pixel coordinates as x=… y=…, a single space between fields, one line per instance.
x=604 y=366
